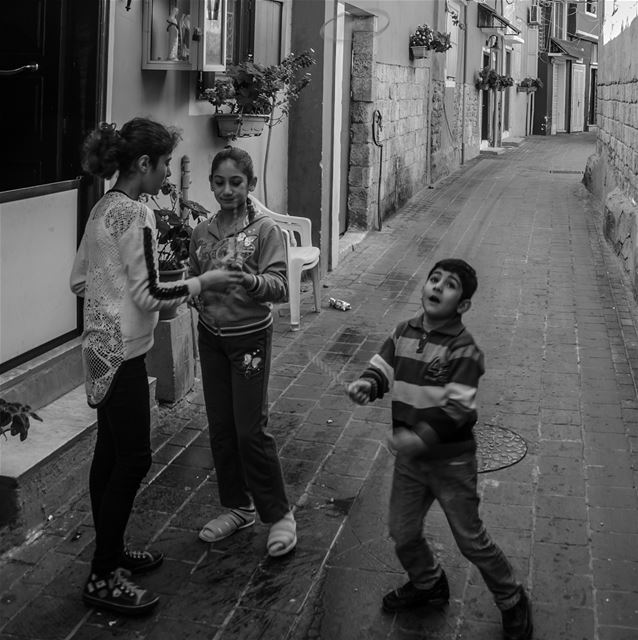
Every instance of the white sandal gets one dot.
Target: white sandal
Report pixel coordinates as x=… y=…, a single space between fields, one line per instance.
x=226 y=524
x=282 y=537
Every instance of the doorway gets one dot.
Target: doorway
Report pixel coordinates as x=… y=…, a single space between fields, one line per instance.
x=51 y=76
x=506 y=93
x=488 y=104
x=577 y=111
x=559 y=77
x=593 y=105
x=345 y=44
x=48 y=69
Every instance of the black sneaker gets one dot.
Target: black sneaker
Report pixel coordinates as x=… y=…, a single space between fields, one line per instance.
x=517 y=620
x=409 y=596
x=140 y=561
x=117 y=593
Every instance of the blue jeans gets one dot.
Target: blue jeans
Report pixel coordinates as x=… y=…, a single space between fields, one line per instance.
x=452 y=482
x=235 y=373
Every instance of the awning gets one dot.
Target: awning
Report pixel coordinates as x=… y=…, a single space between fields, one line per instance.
x=565 y=49
x=489 y=19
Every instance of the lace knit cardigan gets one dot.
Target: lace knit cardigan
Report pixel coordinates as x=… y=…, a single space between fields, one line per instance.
x=116 y=272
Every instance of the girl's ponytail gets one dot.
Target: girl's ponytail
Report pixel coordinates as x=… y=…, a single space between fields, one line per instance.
x=101 y=150
x=107 y=150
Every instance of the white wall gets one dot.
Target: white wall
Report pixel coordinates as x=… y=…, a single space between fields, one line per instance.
x=169 y=96
x=36 y=304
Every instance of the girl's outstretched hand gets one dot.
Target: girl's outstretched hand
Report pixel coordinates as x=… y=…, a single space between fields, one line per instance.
x=359 y=391
x=220 y=280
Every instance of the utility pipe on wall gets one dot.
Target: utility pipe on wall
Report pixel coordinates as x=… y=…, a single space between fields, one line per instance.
x=377 y=127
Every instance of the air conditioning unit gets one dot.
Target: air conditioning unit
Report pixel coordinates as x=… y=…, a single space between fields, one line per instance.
x=534 y=17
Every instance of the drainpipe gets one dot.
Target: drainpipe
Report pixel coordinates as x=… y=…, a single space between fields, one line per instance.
x=498 y=132
x=464 y=85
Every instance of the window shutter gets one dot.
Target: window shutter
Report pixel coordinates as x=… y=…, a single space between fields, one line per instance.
x=451 y=55
x=268 y=31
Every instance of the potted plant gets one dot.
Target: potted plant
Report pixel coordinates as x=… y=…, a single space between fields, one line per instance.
x=174 y=232
x=246 y=98
x=488 y=79
x=426 y=39
x=529 y=85
x=505 y=81
x=14 y=418
x=253 y=95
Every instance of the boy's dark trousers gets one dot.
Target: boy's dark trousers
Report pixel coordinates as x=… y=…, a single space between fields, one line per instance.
x=235 y=372
x=452 y=482
x=121 y=459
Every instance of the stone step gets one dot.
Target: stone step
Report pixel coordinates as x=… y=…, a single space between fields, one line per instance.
x=512 y=142
x=50 y=468
x=492 y=151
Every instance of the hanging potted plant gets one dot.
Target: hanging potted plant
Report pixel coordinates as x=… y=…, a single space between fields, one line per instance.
x=425 y=39
x=246 y=98
x=504 y=81
x=487 y=79
x=529 y=85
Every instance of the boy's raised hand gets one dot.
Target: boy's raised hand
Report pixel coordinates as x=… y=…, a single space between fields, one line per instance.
x=359 y=391
x=406 y=441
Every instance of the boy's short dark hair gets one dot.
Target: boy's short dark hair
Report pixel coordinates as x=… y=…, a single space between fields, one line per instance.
x=463 y=270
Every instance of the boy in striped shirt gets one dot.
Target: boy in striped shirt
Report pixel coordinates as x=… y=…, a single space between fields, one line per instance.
x=433 y=366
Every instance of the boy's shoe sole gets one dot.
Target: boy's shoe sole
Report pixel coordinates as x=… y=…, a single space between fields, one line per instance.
x=404 y=606
x=409 y=597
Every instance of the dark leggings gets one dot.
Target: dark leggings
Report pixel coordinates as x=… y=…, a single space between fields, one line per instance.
x=121 y=459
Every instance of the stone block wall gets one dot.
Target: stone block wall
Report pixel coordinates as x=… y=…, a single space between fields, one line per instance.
x=612 y=172
x=400 y=93
x=455 y=135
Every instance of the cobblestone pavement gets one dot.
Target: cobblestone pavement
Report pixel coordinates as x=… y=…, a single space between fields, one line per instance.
x=557 y=322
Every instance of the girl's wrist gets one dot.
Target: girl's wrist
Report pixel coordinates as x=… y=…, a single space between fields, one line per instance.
x=253 y=282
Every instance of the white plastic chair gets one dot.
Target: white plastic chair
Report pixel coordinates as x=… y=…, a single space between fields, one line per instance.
x=301 y=256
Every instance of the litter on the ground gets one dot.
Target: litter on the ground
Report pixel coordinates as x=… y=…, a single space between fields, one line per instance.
x=342 y=305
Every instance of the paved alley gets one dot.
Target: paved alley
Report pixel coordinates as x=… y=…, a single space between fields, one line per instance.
x=558 y=326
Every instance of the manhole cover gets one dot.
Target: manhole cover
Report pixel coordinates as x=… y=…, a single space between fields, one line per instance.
x=497 y=447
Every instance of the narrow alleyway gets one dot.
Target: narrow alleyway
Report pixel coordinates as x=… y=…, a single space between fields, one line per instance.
x=558 y=326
